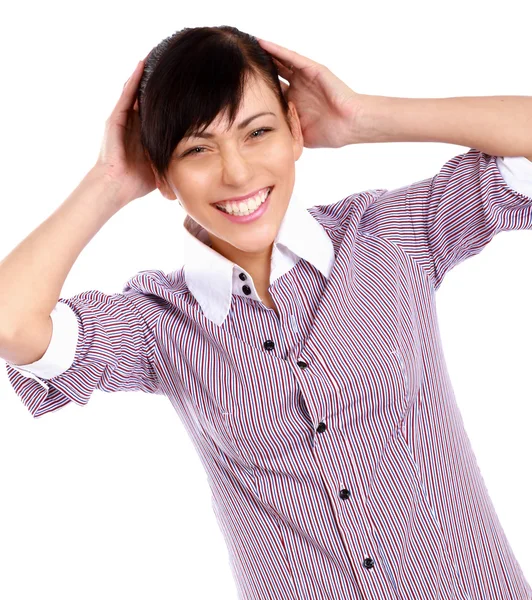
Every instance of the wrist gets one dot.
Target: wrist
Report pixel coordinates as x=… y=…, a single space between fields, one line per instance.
x=109 y=188
x=369 y=116
x=98 y=185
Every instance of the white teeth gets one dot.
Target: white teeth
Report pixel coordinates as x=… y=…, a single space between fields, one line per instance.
x=245 y=207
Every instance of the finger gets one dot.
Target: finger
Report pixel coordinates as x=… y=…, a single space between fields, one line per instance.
x=283 y=71
x=284 y=87
x=137 y=68
x=129 y=92
x=130 y=87
x=287 y=57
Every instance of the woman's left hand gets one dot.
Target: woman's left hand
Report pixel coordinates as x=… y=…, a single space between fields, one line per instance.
x=326 y=106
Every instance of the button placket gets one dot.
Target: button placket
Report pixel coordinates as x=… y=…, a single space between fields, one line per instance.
x=346 y=495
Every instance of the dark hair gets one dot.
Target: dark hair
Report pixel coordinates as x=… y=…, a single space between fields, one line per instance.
x=191 y=77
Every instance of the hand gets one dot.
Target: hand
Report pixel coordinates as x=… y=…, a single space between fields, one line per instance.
x=122 y=158
x=326 y=106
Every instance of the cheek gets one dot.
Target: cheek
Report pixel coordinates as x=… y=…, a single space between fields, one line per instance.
x=193 y=185
x=280 y=158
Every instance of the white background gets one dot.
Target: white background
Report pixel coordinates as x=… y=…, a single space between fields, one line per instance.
x=110 y=501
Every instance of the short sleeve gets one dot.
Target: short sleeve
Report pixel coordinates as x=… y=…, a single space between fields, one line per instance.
x=443 y=220
x=114 y=352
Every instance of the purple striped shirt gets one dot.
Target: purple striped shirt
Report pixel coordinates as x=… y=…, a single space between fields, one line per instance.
x=332 y=441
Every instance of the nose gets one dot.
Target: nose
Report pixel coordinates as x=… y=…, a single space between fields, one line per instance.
x=237 y=169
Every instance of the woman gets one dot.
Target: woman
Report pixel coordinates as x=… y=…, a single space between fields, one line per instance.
x=300 y=347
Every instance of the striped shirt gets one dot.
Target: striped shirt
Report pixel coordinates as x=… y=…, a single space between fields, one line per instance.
x=332 y=441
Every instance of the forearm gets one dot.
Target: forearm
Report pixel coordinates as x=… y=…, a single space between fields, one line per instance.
x=496 y=125
x=33 y=274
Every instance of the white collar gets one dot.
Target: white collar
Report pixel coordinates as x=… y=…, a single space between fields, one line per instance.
x=211 y=278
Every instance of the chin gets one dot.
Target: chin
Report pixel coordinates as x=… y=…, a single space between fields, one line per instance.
x=256 y=244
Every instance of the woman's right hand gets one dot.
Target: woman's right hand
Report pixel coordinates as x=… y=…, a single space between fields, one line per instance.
x=122 y=159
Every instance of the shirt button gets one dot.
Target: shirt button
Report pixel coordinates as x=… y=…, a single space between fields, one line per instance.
x=345 y=494
x=301 y=363
x=269 y=345
x=368 y=563
x=243 y=276
x=321 y=427
x=246 y=289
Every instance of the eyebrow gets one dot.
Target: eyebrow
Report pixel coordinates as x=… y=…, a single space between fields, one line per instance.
x=244 y=123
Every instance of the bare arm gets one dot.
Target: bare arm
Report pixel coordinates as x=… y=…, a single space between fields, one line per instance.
x=33 y=274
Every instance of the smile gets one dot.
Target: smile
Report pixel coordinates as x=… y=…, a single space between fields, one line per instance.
x=247 y=211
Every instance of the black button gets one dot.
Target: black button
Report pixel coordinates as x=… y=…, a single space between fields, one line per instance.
x=321 y=427
x=246 y=289
x=269 y=345
x=345 y=494
x=368 y=563
x=243 y=276
x=301 y=363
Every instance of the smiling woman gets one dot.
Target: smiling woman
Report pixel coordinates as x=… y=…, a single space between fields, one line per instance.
x=301 y=350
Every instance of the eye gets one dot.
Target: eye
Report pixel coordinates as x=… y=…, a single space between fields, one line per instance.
x=192 y=150
x=261 y=129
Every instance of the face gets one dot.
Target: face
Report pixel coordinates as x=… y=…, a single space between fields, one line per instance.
x=206 y=171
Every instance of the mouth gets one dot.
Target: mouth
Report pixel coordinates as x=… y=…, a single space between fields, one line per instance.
x=242 y=208
x=248 y=213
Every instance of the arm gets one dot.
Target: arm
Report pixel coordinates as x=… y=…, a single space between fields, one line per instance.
x=495 y=125
x=33 y=274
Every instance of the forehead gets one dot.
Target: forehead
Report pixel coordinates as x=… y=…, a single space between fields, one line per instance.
x=257 y=98
x=256 y=92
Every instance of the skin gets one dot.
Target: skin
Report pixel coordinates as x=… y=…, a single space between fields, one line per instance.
x=234 y=163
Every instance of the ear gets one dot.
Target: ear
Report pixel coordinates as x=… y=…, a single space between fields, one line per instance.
x=163 y=187
x=298 y=140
